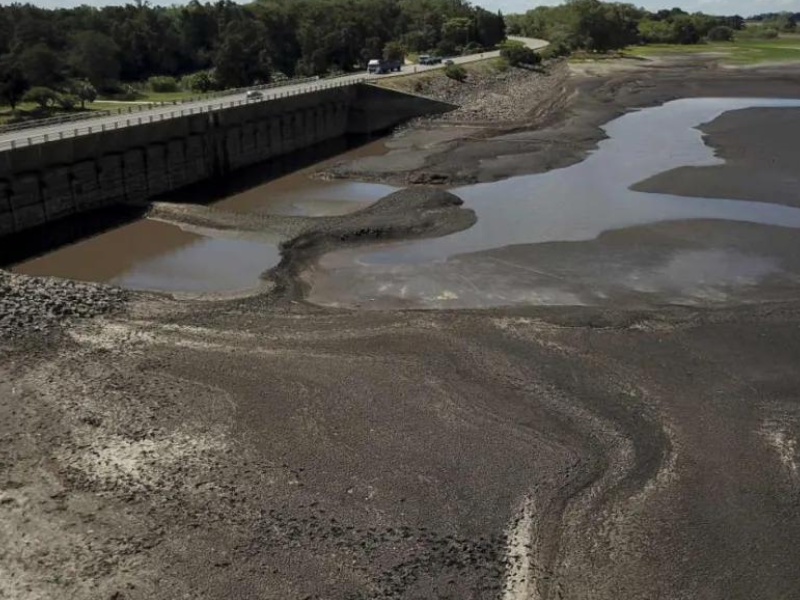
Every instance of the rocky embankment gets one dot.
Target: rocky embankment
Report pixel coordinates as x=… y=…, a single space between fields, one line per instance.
x=451 y=148
x=494 y=96
x=29 y=304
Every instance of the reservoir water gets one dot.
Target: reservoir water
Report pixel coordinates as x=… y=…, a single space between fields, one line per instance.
x=152 y=255
x=573 y=204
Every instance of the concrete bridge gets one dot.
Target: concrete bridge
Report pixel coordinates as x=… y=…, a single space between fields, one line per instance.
x=131 y=159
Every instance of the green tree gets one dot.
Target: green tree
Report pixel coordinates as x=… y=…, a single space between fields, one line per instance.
x=720 y=34
x=490 y=28
x=12 y=82
x=684 y=30
x=41 y=66
x=242 y=58
x=781 y=22
x=656 y=32
x=394 y=51
x=95 y=56
x=457 y=31
x=202 y=81
x=84 y=91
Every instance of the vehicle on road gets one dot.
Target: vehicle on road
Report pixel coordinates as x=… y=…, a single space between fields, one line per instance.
x=378 y=66
x=448 y=62
x=425 y=59
x=254 y=95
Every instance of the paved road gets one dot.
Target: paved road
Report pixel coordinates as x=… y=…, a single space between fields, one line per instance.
x=38 y=135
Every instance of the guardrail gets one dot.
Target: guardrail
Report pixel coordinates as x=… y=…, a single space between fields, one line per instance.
x=157 y=115
x=54 y=120
x=145 y=106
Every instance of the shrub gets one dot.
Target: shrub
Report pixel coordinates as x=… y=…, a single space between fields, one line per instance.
x=128 y=92
x=517 y=55
x=43 y=96
x=758 y=32
x=162 y=83
x=555 y=50
x=472 y=48
x=68 y=101
x=202 y=81
x=720 y=34
x=456 y=72
x=766 y=33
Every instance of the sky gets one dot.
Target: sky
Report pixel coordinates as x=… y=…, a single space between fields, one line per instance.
x=721 y=7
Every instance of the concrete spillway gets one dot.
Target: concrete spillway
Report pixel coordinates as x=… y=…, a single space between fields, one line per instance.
x=43 y=183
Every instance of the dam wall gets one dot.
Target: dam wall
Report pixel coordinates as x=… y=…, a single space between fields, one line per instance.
x=45 y=182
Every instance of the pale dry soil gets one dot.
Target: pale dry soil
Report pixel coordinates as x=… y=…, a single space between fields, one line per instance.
x=233 y=450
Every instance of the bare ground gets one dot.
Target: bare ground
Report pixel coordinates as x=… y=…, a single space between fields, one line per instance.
x=267 y=448
x=564 y=107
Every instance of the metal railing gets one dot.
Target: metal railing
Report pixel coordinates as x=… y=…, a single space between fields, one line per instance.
x=157 y=115
x=53 y=120
x=141 y=106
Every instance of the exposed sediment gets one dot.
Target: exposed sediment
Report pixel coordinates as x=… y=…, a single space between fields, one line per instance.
x=253 y=449
x=760 y=165
x=566 y=105
x=35 y=304
x=407 y=214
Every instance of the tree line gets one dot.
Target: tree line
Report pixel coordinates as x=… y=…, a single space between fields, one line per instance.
x=71 y=52
x=602 y=26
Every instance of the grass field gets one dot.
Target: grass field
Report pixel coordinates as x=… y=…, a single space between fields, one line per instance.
x=102 y=104
x=742 y=51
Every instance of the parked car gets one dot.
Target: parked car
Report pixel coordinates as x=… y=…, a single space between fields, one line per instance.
x=379 y=66
x=254 y=95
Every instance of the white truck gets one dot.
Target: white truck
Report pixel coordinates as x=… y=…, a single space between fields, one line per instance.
x=378 y=66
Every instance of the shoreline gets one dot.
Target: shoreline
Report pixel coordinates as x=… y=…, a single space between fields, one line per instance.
x=564 y=124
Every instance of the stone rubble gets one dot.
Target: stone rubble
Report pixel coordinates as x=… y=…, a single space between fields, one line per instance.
x=490 y=96
x=35 y=304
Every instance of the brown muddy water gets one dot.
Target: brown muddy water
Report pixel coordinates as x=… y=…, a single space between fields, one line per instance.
x=551 y=238
x=152 y=255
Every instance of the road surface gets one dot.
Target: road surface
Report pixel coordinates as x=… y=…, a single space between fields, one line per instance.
x=50 y=132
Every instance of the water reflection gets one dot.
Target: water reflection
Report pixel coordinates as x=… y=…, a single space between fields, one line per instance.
x=570 y=204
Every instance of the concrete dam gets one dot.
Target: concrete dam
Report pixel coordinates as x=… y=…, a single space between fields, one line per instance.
x=42 y=183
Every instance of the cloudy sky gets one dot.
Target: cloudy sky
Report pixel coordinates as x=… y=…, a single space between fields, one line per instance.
x=727 y=7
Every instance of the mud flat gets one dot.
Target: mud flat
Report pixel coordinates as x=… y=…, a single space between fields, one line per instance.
x=566 y=108
x=560 y=237
x=267 y=447
x=758 y=147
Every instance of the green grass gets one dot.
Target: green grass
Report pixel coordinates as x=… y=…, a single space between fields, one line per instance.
x=103 y=104
x=147 y=96
x=742 y=51
x=409 y=82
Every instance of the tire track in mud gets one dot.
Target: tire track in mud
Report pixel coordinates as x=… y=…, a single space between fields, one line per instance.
x=622 y=450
